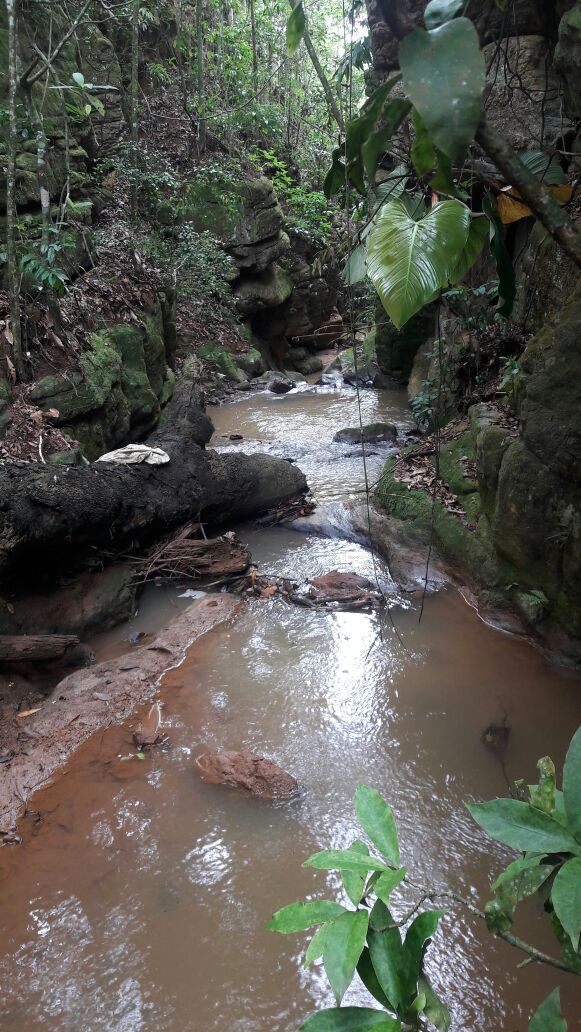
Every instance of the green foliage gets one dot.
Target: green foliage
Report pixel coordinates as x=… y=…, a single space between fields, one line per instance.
x=444 y=74
x=409 y=260
x=438 y=12
x=295 y=28
x=388 y=954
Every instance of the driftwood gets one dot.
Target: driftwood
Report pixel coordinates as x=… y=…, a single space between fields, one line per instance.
x=188 y=556
x=53 y=517
x=334 y=590
x=27 y=648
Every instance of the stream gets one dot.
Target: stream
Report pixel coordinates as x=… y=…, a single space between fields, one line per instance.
x=140 y=899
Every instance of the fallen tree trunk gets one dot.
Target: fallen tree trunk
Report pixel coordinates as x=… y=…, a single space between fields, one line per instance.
x=26 y=648
x=50 y=516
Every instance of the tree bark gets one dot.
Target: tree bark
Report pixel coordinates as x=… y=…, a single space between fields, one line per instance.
x=52 y=517
x=11 y=214
x=27 y=648
x=134 y=107
x=200 y=65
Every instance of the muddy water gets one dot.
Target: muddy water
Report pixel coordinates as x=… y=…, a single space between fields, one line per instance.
x=139 y=900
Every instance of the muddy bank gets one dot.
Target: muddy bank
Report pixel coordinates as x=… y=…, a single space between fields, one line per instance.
x=90 y=699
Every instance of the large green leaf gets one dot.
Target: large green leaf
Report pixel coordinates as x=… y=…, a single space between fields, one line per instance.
x=350 y=1019
x=344 y=860
x=376 y=819
x=566 y=899
x=299 y=916
x=408 y=260
x=354 y=881
x=572 y=784
x=444 y=76
x=548 y=1017
x=438 y=12
x=435 y=1010
x=522 y=884
x=523 y=827
x=477 y=234
x=342 y=947
x=295 y=28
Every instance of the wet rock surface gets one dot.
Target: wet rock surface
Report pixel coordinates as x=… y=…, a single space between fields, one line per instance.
x=373 y=433
x=246 y=770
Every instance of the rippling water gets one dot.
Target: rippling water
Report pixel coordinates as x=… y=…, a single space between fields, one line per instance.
x=140 y=899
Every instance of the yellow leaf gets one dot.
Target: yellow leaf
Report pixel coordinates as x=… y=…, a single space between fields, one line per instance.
x=511 y=208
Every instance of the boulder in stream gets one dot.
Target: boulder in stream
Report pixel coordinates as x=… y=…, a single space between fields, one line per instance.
x=247 y=770
x=373 y=433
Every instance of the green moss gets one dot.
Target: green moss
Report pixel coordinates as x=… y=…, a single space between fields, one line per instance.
x=220 y=358
x=452 y=468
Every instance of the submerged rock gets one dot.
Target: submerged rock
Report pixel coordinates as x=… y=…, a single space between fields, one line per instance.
x=280 y=386
x=255 y=774
x=373 y=433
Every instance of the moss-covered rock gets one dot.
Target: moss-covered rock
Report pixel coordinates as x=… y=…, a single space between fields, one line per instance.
x=220 y=358
x=397 y=349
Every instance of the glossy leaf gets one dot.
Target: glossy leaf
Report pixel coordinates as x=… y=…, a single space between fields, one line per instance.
x=548 y=1017
x=566 y=899
x=295 y=28
x=477 y=234
x=435 y=1010
x=343 y=944
x=444 y=76
x=297 y=917
x=572 y=784
x=354 y=881
x=522 y=827
x=438 y=12
x=343 y=860
x=387 y=882
x=408 y=259
x=350 y=1019
x=392 y=186
x=376 y=819
x=504 y=266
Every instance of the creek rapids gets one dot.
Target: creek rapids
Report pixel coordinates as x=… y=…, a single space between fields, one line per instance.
x=140 y=898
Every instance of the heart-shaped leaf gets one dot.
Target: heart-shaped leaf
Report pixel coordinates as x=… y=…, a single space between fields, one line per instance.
x=409 y=260
x=444 y=76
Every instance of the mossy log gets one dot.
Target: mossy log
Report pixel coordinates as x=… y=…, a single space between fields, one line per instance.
x=53 y=518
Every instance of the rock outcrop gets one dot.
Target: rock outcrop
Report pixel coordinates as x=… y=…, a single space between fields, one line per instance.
x=245 y=770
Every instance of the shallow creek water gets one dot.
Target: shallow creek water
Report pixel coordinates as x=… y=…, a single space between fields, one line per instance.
x=140 y=900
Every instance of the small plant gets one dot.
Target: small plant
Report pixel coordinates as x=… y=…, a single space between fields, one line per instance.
x=41 y=265
x=509 y=378
x=388 y=953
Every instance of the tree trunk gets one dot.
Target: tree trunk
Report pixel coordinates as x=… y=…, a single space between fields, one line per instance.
x=27 y=648
x=329 y=95
x=134 y=88
x=11 y=214
x=200 y=61
x=254 y=54
x=52 y=517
